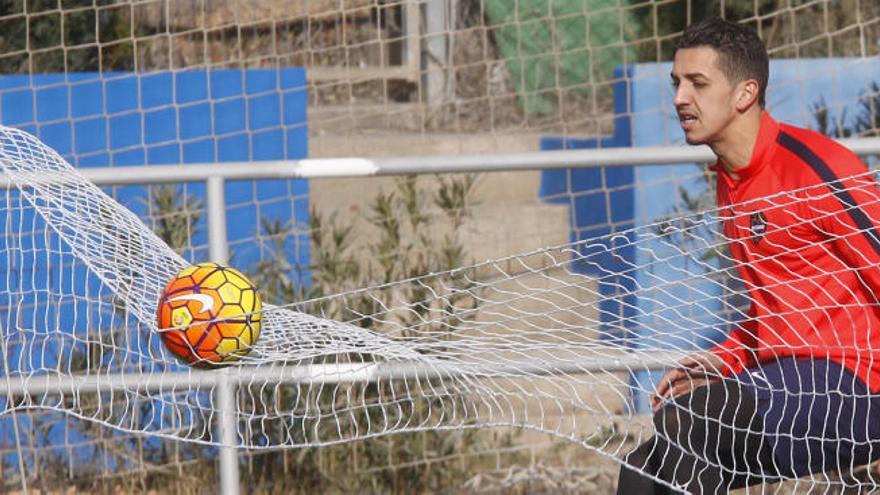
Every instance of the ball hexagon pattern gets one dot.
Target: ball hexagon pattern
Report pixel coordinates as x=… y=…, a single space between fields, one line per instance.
x=209 y=314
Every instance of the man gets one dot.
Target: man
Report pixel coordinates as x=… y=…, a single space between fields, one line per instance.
x=792 y=391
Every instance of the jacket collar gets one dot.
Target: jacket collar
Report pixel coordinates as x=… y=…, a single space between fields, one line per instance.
x=763 y=146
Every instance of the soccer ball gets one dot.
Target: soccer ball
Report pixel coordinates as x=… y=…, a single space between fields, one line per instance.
x=209 y=314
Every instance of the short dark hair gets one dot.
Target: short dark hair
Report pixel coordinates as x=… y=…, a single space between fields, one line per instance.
x=741 y=53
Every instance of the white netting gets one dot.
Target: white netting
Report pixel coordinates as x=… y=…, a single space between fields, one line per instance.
x=115 y=83
x=479 y=346
x=417 y=67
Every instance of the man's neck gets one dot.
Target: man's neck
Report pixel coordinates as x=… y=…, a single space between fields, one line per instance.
x=734 y=150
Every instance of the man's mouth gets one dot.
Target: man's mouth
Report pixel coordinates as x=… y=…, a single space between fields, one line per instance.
x=687 y=120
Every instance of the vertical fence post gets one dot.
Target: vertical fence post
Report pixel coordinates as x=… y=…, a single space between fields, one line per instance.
x=436 y=59
x=412 y=36
x=225 y=390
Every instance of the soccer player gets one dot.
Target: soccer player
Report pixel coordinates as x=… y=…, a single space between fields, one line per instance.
x=793 y=390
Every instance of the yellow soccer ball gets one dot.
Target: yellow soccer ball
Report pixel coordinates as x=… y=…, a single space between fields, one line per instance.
x=209 y=314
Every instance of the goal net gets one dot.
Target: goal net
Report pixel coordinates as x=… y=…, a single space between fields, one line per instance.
x=513 y=342
x=383 y=317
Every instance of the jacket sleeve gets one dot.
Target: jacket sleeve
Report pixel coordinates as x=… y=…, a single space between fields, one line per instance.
x=849 y=214
x=737 y=350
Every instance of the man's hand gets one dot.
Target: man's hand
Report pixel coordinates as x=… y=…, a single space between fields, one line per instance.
x=692 y=372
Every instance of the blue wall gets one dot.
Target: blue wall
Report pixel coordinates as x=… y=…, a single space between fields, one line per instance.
x=601 y=203
x=124 y=119
x=192 y=116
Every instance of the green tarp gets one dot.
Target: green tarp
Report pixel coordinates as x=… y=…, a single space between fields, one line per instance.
x=550 y=45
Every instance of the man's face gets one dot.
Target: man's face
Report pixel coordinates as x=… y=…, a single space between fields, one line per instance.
x=704 y=98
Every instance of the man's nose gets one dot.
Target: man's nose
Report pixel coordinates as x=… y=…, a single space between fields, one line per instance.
x=682 y=96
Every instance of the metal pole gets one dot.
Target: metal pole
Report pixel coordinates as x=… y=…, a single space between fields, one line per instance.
x=313 y=168
x=436 y=59
x=412 y=30
x=595 y=361
x=225 y=390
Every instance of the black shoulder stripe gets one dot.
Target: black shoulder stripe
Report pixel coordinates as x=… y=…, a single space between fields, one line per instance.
x=827 y=175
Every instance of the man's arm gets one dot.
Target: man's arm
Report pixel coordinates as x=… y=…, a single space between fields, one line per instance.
x=736 y=352
x=847 y=206
x=727 y=358
x=849 y=215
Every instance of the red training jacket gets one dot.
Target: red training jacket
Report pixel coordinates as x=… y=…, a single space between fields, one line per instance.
x=800 y=223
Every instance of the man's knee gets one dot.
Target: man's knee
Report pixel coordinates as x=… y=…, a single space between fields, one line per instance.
x=697 y=423
x=674 y=423
x=640 y=457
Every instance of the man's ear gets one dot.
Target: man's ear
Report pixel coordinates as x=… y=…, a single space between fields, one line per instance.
x=746 y=94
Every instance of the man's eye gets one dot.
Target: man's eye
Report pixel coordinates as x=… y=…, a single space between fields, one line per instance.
x=674 y=84
x=699 y=85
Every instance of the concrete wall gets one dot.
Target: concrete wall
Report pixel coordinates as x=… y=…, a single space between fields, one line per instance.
x=508 y=217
